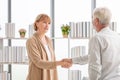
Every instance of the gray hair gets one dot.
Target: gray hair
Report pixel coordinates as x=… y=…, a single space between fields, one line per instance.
x=103 y=14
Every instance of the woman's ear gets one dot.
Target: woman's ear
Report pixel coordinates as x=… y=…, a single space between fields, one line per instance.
x=36 y=23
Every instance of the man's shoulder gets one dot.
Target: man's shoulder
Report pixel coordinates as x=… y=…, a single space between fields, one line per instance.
x=96 y=37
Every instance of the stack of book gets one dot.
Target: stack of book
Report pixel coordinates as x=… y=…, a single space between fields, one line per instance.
x=78 y=51
x=10 y=30
x=15 y=54
x=74 y=75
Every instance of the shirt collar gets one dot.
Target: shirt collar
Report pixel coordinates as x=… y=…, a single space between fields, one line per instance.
x=104 y=29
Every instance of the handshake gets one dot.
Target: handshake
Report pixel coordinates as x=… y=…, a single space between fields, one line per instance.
x=66 y=63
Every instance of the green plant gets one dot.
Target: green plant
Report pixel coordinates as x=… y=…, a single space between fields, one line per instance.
x=65 y=29
x=22 y=32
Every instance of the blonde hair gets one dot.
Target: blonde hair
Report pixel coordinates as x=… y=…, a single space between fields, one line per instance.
x=103 y=14
x=41 y=17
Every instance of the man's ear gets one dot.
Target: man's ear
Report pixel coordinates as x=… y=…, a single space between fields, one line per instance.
x=96 y=21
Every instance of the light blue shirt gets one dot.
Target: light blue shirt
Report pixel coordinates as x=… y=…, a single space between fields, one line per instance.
x=103 y=57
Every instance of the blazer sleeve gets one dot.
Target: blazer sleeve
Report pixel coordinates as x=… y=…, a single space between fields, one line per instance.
x=35 y=57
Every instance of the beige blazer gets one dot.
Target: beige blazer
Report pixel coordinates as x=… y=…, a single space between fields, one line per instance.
x=39 y=66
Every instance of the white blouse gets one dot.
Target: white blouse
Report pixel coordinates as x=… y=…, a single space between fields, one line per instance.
x=48 y=52
x=49 y=58
x=103 y=57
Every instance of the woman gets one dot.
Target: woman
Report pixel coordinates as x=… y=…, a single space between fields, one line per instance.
x=42 y=64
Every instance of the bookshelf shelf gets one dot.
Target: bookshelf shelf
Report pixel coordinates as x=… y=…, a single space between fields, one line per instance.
x=24 y=63
x=12 y=52
x=75 y=43
x=14 y=38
